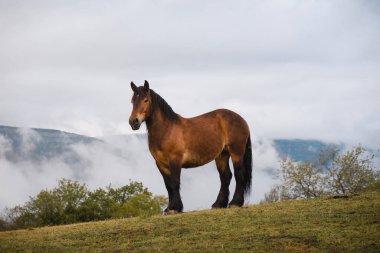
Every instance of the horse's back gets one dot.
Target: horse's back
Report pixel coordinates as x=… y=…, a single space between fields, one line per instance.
x=228 y=119
x=223 y=123
x=223 y=114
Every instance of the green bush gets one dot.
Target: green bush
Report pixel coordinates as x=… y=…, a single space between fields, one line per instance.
x=72 y=202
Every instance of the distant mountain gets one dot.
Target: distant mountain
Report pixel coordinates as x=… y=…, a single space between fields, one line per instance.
x=300 y=150
x=40 y=144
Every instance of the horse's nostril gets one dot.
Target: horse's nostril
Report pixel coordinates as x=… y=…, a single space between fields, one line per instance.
x=134 y=122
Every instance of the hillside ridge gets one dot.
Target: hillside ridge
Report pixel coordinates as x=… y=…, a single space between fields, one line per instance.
x=350 y=224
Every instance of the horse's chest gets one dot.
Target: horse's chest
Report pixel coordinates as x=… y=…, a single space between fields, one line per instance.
x=165 y=152
x=158 y=153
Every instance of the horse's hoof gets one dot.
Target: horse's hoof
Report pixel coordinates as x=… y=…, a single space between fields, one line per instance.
x=170 y=212
x=233 y=206
x=217 y=206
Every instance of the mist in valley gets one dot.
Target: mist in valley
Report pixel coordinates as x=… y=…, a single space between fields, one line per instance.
x=115 y=160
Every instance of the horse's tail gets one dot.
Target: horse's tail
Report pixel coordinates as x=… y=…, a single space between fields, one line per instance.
x=247 y=160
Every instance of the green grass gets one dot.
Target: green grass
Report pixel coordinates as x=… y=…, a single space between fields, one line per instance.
x=316 y=225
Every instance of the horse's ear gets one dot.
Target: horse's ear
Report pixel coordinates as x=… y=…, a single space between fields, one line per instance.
x=134 y=87
x=146 y=85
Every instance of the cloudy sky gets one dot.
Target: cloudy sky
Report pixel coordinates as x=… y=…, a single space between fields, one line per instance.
x=293 y=69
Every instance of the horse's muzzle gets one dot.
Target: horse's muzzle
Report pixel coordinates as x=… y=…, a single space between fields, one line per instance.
x=135 y=124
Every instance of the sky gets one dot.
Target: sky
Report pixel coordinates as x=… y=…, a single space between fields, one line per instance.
x=291 y=68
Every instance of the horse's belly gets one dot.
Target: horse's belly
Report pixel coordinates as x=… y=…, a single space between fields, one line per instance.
x=194 y=161
x=198 y=158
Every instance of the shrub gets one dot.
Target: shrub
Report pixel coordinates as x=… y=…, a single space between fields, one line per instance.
x=72 y=202
x=333 y=173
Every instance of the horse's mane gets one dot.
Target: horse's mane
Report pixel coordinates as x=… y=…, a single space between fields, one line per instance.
x=165 y=108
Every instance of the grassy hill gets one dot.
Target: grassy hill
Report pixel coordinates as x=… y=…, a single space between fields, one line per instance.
x=329 y=225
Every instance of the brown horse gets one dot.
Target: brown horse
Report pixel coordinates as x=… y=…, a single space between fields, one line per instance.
x=176 y=142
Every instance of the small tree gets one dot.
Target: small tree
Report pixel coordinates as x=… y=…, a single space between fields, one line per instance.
x=276 y=193
x=99 y=205
x=120 y=195
x=3 y=224
x=141 y=205
x=326 y=156
x=301 y=180
x=20 y=217
x=44 y=209
x=332 y=174
x=135 y=200
x=71 y=194
x=352 y=172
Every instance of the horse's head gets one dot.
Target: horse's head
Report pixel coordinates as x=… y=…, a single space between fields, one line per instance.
x=142 y=105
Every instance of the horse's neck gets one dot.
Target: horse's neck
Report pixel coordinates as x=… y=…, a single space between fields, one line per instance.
x=158 y=125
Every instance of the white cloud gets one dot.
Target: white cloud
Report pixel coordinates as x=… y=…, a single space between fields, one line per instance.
x=29 y=140
x=294 y=68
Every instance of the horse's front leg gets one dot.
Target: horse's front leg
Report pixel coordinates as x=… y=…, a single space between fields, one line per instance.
x=172 y=179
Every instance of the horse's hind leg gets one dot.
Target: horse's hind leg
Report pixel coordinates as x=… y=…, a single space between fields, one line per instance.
x=238 y=198
x=225 y=179
x=237 y=157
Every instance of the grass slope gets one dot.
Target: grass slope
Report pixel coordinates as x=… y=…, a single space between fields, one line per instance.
x=332 y=225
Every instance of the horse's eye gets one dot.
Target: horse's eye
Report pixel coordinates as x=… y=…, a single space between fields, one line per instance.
x=146 y=100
